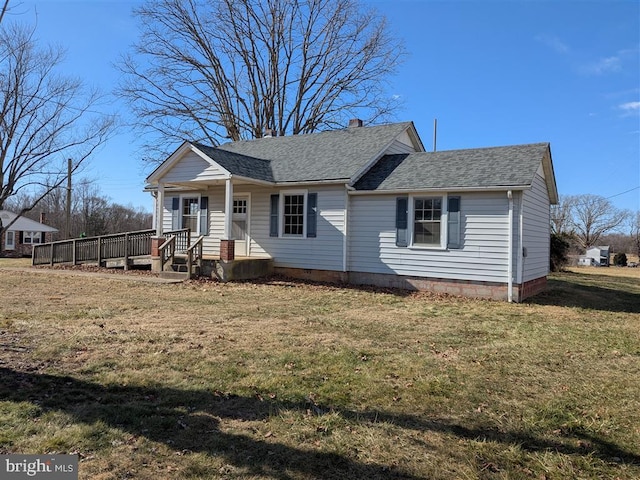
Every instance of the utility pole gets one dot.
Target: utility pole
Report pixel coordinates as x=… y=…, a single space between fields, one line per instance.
x=68 y=206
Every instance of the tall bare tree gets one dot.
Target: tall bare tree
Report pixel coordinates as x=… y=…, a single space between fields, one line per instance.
x=210 y=70
x=561 y=216
x=593 y=216
x=45 y=117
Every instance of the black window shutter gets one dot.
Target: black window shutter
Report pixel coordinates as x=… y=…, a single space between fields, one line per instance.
x=453 y=223
x=312 y=217
x=175 y=213
x=402 y=221
x=273 y=217
x=204 y=215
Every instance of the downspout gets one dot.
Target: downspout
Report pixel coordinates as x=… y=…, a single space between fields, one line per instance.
x=521 y=254
x=345 y=238
x=510 y=250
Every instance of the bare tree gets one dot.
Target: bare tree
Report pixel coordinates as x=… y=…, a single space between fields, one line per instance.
x=593 y=216
x=210 y=70
x=45 y=118
x=634 y=231
x=561 y=216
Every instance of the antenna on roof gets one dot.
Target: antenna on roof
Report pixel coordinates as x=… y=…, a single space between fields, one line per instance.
x=435 y=132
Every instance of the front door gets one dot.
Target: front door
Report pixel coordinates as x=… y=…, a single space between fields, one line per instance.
x=240 y=225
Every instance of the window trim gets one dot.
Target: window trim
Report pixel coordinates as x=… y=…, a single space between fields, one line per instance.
x=31 y=236
x=183 y=197
x=10 y=245
x=286 y=193
x=443 y=223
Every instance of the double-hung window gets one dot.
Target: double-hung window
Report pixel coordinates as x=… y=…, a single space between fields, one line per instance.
x=31 y=237
x=293 y=214
x=190 y=212
x=427 y=226
x=428 y=221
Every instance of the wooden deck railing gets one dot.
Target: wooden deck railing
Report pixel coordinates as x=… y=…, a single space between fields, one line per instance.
x=94 y=249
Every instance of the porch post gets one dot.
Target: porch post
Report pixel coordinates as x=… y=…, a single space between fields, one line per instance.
x=160 y=209
x=227 y=244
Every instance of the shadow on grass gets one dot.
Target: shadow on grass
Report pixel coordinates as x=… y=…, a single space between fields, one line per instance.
x=188 y=420
x=596 y=292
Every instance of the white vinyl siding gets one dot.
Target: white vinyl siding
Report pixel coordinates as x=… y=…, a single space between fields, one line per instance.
x=192 y=167
x=484 y=252
x=324 y=252
x=536 y=230
x=400 y=147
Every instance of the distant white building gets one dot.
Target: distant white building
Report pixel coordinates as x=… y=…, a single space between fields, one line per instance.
x=596 y=257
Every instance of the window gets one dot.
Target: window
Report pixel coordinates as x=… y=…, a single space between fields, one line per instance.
x=190 y=211
x=293 y=217
x=427 y=213
x=435 y=222
x=31 y=237
x=240 y=206
x=293 y=214
x=10 y=243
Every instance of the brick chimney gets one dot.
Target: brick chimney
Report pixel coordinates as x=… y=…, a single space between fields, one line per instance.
x=43 y=217
x=355 y=122
x=270 y=132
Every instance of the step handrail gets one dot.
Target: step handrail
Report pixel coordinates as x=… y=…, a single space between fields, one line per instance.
x=197 y=247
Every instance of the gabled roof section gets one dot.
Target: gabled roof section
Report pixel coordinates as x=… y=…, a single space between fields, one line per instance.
x=480 y=168
x=23 y=224
x=335 y=155
x=176 y=157
x=239 y=164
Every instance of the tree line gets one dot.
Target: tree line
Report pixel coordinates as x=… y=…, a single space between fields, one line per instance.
x=579 y=222
x=92 y=213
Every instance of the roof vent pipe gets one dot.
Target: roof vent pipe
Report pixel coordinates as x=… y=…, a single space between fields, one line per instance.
x=435 y=132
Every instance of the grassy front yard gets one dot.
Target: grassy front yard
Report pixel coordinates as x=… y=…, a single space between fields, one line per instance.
x=284 y=380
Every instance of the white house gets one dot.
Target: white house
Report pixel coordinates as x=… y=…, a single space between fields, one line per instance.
x=597 y=256
x=368 y=205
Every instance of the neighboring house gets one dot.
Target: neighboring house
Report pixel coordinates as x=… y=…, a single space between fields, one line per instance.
x=367 y=205
x=19 y=238
x=598 y=256
x=584 y=261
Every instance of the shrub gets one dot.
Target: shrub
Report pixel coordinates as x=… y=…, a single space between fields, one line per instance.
x=620 y=259
x=559 y=248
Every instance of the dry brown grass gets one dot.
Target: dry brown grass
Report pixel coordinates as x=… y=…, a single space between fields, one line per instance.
x=286 y=380
x=626 y=272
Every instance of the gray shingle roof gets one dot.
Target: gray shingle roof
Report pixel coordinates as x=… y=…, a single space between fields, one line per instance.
x=332 y=155
x=471 y=168
x=23 y=224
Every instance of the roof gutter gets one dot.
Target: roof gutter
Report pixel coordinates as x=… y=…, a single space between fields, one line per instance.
x=453 y=188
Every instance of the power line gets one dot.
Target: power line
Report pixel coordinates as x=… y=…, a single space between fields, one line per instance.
x=622 y=193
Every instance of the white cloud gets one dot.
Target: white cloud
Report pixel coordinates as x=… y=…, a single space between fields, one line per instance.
x=553 y=42
x=602 y=66
x=630 y=106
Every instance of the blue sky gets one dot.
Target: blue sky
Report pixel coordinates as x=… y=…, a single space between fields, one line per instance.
x=491 y=72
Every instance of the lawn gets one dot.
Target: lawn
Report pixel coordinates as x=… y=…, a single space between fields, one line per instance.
x=287 y=380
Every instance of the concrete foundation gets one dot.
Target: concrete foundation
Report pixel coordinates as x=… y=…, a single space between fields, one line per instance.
x=466 y=288
x=238 y=269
